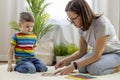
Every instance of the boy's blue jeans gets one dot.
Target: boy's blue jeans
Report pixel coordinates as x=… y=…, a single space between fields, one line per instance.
x=30 y=65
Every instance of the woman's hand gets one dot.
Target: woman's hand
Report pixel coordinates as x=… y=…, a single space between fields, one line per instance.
x=9 y=69
x=60 y=64
x=65 y=71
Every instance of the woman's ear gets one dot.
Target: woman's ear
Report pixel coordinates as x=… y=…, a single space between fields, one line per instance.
x=19 y=24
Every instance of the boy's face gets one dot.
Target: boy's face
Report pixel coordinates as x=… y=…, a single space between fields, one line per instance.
x=26 y=27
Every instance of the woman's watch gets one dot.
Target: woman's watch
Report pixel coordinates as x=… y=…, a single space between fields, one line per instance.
x=75 y=65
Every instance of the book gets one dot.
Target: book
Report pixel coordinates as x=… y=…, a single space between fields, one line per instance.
x=48 y=74
x=80 y=77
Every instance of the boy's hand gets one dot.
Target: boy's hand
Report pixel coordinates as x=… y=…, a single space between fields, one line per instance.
x=9 y=69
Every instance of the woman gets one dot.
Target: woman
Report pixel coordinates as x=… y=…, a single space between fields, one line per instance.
x=97 y=32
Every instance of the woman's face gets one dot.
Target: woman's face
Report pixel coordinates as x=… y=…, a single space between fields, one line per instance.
x=74 y=19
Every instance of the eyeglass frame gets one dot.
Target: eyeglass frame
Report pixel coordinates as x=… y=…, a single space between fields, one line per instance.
x=72 y=20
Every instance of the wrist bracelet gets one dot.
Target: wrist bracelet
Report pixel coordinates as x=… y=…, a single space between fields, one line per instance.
x=75 y=65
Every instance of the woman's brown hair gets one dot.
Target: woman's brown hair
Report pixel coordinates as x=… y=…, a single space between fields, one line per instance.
x=82 y=8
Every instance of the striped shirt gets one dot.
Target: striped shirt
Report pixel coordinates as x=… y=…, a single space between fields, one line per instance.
x=24 y=45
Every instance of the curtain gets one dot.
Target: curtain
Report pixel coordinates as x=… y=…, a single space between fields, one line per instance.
x=9 y=11
x=111 y=9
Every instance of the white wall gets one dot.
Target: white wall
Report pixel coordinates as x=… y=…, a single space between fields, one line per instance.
x=4 y=30
x=114 y=14
x=111 y=9
x=8 y=11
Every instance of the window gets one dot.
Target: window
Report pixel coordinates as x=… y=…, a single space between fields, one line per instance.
x=57 y=8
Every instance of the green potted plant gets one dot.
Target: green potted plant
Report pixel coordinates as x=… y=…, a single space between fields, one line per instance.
x=72 y=48
x=37 y=8
x=62 y=50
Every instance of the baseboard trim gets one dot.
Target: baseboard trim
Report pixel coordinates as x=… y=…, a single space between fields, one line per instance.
x=3 y=57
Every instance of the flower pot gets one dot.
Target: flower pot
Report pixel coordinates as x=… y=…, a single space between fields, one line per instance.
x=44 y=52
x=58 y=58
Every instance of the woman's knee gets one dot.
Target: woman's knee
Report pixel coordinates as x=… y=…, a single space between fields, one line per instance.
x=82 y=70
x=95 y=69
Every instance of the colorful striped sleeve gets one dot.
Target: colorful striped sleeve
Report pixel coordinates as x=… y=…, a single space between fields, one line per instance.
x=13 y=41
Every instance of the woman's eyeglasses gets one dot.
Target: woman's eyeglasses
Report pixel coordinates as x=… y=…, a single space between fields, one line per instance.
x=71 y=20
